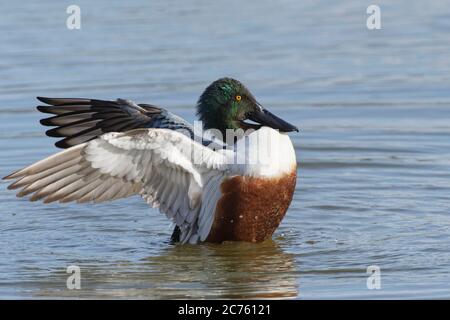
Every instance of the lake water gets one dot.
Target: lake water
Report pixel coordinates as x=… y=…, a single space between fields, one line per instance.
x=374 y=148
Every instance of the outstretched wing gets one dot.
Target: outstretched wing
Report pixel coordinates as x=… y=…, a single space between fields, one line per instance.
x=81 y=120
x=168 y=169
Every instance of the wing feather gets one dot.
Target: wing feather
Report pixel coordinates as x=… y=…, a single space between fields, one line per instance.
x=168 y=169
x=82 y=120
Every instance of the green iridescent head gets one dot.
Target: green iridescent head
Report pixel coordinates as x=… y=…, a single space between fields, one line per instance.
x=227 y=103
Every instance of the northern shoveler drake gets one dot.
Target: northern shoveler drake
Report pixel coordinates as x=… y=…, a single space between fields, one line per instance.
x=114 y=149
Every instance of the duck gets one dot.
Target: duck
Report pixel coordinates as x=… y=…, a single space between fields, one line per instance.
x=212 y=187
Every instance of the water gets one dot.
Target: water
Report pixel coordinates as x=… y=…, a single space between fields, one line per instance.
x=373 y=152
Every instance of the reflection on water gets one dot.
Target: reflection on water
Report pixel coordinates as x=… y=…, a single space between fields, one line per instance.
x=230 y=270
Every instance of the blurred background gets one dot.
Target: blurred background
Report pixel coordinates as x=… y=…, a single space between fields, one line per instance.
x=373 y=150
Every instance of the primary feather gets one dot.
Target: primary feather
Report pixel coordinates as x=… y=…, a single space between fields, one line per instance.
x=81 y=120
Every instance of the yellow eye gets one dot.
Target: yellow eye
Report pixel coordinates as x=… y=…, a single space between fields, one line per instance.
x=238 y=98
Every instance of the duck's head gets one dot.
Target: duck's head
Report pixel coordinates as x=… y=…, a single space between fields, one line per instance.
x=228 y=104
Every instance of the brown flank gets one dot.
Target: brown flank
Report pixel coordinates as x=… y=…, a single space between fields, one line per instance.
x=250 y=209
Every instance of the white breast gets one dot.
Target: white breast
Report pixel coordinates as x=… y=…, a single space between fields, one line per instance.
x=265 y=153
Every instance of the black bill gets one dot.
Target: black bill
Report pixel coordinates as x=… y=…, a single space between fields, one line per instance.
x=266 y=118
